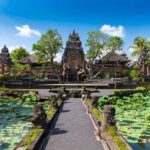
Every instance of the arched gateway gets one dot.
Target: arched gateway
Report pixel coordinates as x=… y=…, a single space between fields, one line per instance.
x=73 y=57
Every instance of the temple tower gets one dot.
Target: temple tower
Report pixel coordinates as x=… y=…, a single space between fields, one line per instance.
x=5 y=60
x=73 y=56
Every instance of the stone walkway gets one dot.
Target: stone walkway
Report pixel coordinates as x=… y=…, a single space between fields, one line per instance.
x=73 y=130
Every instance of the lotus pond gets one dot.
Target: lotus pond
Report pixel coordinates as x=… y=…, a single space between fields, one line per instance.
x=133 y=118
x=15 y=118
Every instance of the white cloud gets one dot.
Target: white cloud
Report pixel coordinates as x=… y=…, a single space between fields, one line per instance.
x=26 y=31
x=58 y=57
x=119 y=52
x=130 y=50
x=113 y=30
x=133 y=58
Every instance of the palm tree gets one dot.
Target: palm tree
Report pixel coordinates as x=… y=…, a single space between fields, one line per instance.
x=139 y=44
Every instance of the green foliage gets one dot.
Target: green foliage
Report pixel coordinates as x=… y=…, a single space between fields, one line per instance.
x=96 y=42
x=126 y=72
x=114 y=43
x=139 y=44
x=1 y=77
x=16 y=68
x=87 y=102
x=135 y=74
x=103 y=100
x=18 y=54
x=97 y=114
x=147 y=61
x=99 y=42
x=29 y=98
x=31 y=136
x=48 y=46
x=116 y=139
x=147 y=117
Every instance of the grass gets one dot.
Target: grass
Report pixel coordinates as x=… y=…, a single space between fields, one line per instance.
x=97 y=114
x=31 y=136
x=87 y=102
x=50 y=113
x=116 y=138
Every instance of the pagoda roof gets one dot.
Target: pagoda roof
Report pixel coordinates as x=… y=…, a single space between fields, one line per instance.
x=113 y=57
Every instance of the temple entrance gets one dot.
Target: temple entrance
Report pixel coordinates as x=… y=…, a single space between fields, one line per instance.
x=74 y=64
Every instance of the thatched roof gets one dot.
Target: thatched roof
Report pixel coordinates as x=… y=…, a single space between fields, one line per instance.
x=112 y=57
x=29 y=59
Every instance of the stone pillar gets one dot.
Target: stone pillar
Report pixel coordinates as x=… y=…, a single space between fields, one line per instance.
x=108 y=117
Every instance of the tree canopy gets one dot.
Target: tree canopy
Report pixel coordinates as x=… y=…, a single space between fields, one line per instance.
x=114 y=43
x=18 y=54
x=139 y=44
x=100 y=43
x=48 y=46
x=96 y=42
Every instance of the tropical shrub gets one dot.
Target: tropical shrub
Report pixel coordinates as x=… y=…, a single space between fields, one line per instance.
x=135 y=74
x=126 y=73
x=29 y=98
x=1 y=77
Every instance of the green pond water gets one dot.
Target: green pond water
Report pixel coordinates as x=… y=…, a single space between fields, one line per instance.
x=14 y=122
x=133 y=121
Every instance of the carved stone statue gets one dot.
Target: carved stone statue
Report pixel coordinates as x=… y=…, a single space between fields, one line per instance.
x=108 y=117
x=39 y=117
x=54 y=101
x=94 y=101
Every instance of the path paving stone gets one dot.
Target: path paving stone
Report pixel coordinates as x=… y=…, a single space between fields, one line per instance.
x=73 y=129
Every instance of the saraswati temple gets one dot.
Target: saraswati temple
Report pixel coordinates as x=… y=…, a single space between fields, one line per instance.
x=73 y=58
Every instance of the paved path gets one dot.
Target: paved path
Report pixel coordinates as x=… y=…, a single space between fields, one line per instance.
x=45 y=92
x=73 y=129
x=103 y=92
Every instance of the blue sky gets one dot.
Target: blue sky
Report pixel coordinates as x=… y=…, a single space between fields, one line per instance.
x=23 y=21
